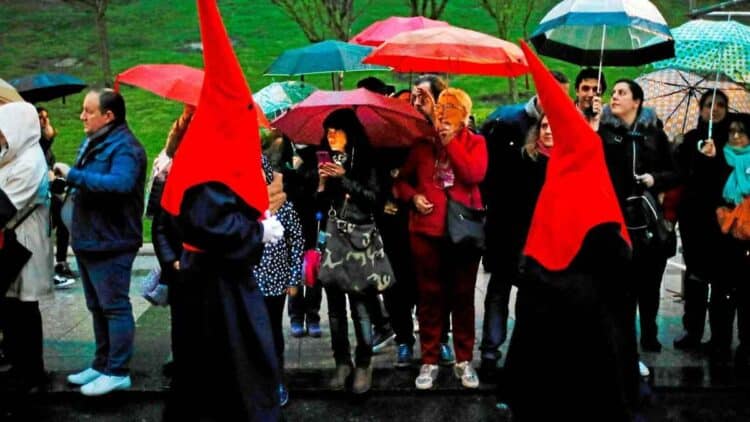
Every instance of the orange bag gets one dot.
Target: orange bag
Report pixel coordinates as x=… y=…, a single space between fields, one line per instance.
x=735 y=221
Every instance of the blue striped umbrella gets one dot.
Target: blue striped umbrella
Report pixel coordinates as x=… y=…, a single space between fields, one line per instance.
x=604 y=33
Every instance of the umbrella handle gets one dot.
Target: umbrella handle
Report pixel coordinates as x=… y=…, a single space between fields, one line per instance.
x=601 y=60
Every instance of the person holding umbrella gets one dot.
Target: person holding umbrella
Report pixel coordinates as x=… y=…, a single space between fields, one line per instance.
x=449 y=167
x=703 y=179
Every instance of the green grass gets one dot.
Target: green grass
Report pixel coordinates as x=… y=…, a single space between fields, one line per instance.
x=36 y=34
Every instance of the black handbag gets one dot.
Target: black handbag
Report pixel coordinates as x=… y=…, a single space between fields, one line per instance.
x=644 y=219
x=353 y=258
x=13 y=255
x=465 y=225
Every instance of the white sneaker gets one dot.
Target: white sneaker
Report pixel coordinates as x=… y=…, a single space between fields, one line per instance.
x=105 y=384
x=467 y=374
x=427 y=375
x=84 y=377
x=61 y=282
x=643 y=369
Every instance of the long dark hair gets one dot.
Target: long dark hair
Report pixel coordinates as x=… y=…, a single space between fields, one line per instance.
x=358 y=149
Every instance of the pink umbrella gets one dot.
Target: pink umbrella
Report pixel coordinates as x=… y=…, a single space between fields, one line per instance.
x=380 y=31
x=450 y=50
x=389 y=122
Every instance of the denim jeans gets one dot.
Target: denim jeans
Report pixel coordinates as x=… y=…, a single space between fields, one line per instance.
x=106 y=285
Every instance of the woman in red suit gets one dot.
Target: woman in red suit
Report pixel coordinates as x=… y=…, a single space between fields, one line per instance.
x=451 y=165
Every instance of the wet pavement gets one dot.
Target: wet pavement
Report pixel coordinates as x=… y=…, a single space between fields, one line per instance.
x=69 y=347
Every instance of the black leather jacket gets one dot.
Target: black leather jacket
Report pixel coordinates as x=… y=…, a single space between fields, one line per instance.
x=353 y=197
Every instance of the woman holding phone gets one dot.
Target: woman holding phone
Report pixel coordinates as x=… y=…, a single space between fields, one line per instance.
x=348 y=189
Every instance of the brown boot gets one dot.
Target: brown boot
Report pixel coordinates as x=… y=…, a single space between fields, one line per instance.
x=362 y=380
x=340 y=375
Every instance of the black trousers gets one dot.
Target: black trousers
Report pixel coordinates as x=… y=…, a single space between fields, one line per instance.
x=695 y=298
x=23 y=337
x=401 y=298
x=306 y=304
x=62 y=236
x=360 y=307
x=275 y=306
x=647 y=272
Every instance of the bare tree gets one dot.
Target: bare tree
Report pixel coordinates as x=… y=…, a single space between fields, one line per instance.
x=99 y=8
x=319 y=18
x=502 y=12
x=429 y=8
x=308 y=14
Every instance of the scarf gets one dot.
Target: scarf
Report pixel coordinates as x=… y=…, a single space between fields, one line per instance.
x=738 y=182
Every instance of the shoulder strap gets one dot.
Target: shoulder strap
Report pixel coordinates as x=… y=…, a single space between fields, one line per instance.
x=27 y=213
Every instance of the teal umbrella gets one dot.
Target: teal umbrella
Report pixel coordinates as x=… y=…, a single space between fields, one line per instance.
x=704 y=46
x=330 y=56
x=278 y=97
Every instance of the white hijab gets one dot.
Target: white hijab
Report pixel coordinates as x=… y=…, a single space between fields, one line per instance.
x=23 y=170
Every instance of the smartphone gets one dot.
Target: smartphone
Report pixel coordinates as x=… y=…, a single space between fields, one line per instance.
x=323 y=157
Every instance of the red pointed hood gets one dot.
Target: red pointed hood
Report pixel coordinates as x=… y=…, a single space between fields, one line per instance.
x=577 y=193
x=222 y=143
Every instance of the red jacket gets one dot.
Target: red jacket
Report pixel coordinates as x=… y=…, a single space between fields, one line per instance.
x=467 y=153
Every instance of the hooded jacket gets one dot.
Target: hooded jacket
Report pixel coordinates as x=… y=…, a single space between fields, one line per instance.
x=24 y=184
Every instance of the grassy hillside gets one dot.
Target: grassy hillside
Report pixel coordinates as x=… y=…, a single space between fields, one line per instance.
x=37 y=34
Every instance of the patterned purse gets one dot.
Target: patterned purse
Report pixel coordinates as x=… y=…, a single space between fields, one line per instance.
x=354 y=259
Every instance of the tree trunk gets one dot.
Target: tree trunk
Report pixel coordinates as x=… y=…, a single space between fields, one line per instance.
x=101 y=29
x=512 y=90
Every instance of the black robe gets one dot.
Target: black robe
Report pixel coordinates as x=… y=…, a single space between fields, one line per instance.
x=226 y=367
x=572 y=355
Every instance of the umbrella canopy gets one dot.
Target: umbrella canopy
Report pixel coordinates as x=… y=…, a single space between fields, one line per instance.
x=708 y=46
x=278 y=97
x=606 y=32
x=451 y=50
x=47 y=86
x=323 y=57
x=8 y=94
x=674 y=94
x=380 y=31
x=389 y=122
x=172 y=81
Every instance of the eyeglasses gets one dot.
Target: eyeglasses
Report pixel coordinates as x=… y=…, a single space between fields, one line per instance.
x=587 y=88
x=718 y=104
x=448 y=106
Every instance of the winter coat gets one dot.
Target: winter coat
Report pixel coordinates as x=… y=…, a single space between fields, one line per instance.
x=353 y=196
x=703 y=244
x=24 y=183
x=467 y=154
x=108 y=183
x=652 y=151
x=505 y=131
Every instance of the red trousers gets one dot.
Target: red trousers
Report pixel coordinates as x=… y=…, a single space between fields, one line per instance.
x=446 y=276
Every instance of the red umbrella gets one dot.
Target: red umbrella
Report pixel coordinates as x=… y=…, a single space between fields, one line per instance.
x=172 y=81
x=450 y=50
x=380 y=31
x=389 y=122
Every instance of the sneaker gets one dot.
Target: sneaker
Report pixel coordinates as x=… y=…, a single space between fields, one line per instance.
x=283 y=395
x=84 y=377
x=643 y=369
x=404 y=355
x=340 y=376
x=298 y=330
x=466 y=373
x=446 y=355
x=362 y=380
x=63 y=270
x=381 y=340
x=62 y=282
x=105 y=384
x=313 y=329
x=427 y=376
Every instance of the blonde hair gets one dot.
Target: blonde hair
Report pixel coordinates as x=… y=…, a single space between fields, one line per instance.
x=461 y=96
x=177 y=132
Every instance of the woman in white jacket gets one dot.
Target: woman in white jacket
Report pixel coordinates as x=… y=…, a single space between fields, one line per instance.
x=24 y=191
